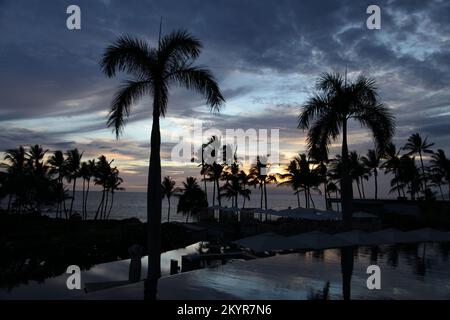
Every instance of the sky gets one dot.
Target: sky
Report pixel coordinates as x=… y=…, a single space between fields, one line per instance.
x=265 y=55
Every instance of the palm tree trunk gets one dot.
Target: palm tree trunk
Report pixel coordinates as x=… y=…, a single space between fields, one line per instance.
x=262 y=194
x=105 y=207
x=346 y=183
x=265 y=195
x=111 y=206
x=362 y=188
x=168 y=211
x=312 y=201
x=359 y=189
x=73 y=196
x=376 y=184
x=306 y=198
x=86 y=200
x=218 y=193
x=440 y=189
x=100 y=205
x=298 y=198
x=82 y=201
x=154 y=208
x=9 y=203
x=214 y=193
x=423 y=172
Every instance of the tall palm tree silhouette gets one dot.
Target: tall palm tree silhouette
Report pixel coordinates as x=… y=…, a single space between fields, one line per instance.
x=57 y=162
x=392 y=164
x=337 y=102
x=154 y=70
x=72 y=169
x=417 y=145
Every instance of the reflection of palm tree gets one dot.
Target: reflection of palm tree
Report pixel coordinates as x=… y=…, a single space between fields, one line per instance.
x=192 y=198
x=168 y=190
x=347 y=271
x=154 y=70
x=372 y=162
x=337 y=103
x=416 y=145
x=440 y=165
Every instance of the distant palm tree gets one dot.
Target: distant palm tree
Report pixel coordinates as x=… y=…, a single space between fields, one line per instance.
x=215 y=172
x=416 y=145
x=192 y=198
x=203 y=164
x=57 y=162
x=337 y=102
x=440 y=164
x=16 y=169
x=154 y=70
x=408 y=176
x=392 y=164
x=90 y=167
x=168 y=190
x=113 y=185
x=293 y=179
x=372 y=162
x=102 y=173
x=72 y=171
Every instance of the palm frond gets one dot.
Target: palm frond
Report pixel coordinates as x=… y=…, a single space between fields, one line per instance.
x=123 y=99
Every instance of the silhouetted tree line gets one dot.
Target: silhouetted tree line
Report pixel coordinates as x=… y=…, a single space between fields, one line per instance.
x=33 y=179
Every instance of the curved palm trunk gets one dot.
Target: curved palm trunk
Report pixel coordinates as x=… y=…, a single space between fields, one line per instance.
x=100 y=205
x=298 y=198
x=86 y=200
x=440 y=189
x=168 y=211
x=362 y=188
x=312 y=201
x=154 y=208
x=105 y=207
x=346 y=183
x=73 y=196
x=359 y=189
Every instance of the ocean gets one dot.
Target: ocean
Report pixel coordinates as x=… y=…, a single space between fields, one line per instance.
x=133 y=204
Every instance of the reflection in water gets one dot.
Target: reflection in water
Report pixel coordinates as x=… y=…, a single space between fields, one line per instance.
x=347 y=271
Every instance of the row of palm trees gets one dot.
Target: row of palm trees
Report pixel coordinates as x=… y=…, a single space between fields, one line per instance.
x=315 y=172
x=33 y=179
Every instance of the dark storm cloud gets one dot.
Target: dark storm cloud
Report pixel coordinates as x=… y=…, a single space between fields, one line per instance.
x=47 y=71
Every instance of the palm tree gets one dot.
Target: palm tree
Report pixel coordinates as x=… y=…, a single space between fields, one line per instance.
x=90 y=167
x=72 y=171
x=215 y=172
x=204 y=169
x=114 y=182
x=392 y=163
x=102 y=173
x=16 y=170
x=38 y=183
x=440 y=164
x=333 y=106
x=192 y=198
x=292 y=178
x=372 y=162
x=416 y=145
x=57 y=162
x=168 y=190
x=154 y=70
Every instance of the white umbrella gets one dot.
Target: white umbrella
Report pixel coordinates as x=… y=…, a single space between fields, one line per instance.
x=363 y=215
x=316 y=240
x=429 y=235
x=353 y=238
x=265 y=242
x=389 y=236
